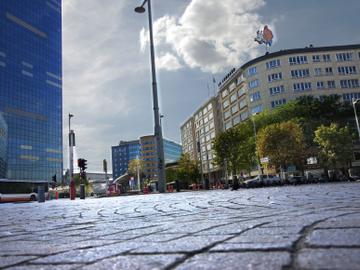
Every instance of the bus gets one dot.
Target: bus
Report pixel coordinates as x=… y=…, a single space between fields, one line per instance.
x=20 y=190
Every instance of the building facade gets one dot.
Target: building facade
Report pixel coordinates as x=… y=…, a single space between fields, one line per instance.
x=270 y=81
x=197 y=134
x=276 y=78
x=172 y=153
x=31 y=88
x=145 y=150
x=3 y=147
x=188 y=138
x=122 y=154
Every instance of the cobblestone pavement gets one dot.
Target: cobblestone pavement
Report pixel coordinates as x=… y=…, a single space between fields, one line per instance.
x=303 y=227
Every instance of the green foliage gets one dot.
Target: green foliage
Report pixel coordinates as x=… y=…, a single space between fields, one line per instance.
x=237 y=147
x=171 y=174
x=305 y=114
x=134 y=165
x=78 y=181
x=335 y=145
x=188 y=170
x=283 y=143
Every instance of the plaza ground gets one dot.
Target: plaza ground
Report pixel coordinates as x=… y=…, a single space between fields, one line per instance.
x=304 y=227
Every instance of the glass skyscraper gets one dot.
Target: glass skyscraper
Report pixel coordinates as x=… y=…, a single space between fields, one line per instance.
x=30 y=89
x=122 y=154
x=144 y=149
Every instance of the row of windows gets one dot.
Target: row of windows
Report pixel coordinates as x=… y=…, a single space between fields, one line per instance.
x=274 y=77
x=351 y=96
x=203 y=111
x=300 y=73
x=303 y=86
x=295 y=60
x=303 y=73
x=276 y=90
x=279 y=102
x=255 y=96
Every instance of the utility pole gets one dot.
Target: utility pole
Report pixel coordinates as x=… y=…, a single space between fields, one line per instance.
x=71 y=159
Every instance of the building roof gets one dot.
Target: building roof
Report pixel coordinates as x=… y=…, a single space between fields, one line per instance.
x=309 y=49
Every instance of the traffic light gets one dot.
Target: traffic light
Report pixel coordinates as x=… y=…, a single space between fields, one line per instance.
x=84 y=167
x=82 y=164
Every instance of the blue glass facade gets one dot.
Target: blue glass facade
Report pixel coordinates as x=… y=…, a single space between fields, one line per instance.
x=31 y=87
x=144 y=149
x=122 y=154
x=172 y=151
x=3 y=146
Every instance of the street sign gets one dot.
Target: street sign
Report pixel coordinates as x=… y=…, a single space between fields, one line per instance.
x=264 y=160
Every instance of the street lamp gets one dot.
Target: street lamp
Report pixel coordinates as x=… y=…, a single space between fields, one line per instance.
x=356 y=117
x=70 y=115
x=257 y=155
x=157 y=128
x=71 y=160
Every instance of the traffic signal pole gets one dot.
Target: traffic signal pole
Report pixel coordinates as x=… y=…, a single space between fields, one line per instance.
x=71 y=164
x=82 y=165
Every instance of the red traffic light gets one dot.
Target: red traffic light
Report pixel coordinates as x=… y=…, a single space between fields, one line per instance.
x=82 y=164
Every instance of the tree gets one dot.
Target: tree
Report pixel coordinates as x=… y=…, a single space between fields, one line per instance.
x=188 y=170
x=171 y=174
x=335 y=146
x=237 y=147
x=283 y=143
x=134 y=165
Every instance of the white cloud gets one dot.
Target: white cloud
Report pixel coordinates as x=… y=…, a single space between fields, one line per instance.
x=211 y=35
x=168 y=62
x=99 y=86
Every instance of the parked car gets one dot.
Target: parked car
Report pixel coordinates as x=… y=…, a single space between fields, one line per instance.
x=296 y=180
x=271 y=180
x=253 y=182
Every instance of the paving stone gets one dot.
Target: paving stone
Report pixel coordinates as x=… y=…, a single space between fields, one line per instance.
x=246 y=260
x=331 y=259
x=334 y=237
x=13 y=260
x=213 y=228
x=349 y=221
x=144 y=262
x=90 y=254
x=185 y=244
x=46 y=267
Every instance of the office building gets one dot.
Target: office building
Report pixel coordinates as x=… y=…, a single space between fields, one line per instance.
x=3 y=147
x=270 y=81
x=172 y=153
x=31 y=88
x=145 y=150
x=206 y=125
x=276 y=78
x=122 y=154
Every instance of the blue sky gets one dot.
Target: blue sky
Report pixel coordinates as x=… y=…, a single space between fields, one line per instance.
x=106 y=70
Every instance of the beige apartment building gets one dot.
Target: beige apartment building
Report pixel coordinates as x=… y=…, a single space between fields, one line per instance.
x=276 y=78
x=267 y=82
x=197 y=134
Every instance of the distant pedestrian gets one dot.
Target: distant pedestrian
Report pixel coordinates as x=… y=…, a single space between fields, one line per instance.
x=236 y=184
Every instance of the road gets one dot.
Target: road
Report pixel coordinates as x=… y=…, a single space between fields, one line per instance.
x=303 y=227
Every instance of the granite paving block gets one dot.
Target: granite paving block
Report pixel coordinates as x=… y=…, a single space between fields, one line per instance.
x=243 y=261
x=334 y=237
x=331 y=259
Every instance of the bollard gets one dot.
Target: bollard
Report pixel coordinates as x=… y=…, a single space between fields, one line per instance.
x=177 y=185
x=56 y=195
x=82 y=191
x=72 y=190
x=41 y=194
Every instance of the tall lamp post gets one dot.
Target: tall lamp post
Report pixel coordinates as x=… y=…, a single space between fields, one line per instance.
x=157 y=128
x=71 y=159
x=356 y=117
x=257 y=156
